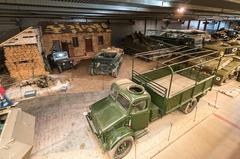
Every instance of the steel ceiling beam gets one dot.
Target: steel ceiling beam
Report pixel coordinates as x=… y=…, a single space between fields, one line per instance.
x=69 y=8
x=63 y=4
x=155 y=3
x=69 y=4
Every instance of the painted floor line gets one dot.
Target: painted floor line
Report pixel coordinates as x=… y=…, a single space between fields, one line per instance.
x=183 y=134
x=227 y=121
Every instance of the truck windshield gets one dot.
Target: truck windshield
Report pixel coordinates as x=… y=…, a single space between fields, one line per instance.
x=113 y=94
x=119 y=98
x=123 y=101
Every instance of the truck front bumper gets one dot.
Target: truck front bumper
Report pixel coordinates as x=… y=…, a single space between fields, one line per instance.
x=90 y=122
x=94 y=130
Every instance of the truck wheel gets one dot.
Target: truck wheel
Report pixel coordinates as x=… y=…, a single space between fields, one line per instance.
x=122 y=148
x=190 y=106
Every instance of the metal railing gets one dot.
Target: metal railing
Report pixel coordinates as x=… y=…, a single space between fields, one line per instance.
x=153 y=85
x=166 y=91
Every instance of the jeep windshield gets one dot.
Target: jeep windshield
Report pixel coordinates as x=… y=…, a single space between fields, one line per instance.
x=124 y=102
x=60 y=55
x=107 y=55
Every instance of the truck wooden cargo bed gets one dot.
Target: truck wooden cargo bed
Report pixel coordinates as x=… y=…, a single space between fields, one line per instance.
x=170 y=90
x=179 y=83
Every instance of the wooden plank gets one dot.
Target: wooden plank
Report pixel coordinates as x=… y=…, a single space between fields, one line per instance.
x=27 y=36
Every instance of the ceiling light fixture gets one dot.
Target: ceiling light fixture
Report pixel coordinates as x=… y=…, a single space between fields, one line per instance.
x=181 y=10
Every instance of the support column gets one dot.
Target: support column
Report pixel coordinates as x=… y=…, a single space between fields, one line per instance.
x=156 y=20
x=145 y=26
x=218 y=25
x=230 y=24
x=199 y=22
x=205 y=25
x=189 y=22
x=18 y=23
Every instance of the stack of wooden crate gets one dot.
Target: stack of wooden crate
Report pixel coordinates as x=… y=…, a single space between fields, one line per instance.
x=23 y=55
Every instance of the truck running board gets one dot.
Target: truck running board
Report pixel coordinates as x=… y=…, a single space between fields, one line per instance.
x=140 y=133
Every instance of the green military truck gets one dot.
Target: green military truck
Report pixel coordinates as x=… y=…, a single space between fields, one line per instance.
x=125 y=114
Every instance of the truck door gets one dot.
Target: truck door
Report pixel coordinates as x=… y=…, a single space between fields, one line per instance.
x=139 y=115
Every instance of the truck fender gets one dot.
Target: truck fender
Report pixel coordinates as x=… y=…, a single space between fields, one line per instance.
x=116 y=135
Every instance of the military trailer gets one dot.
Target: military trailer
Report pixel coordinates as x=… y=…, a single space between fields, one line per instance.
x=16 y=134
x=125 y=114
x=107 y=61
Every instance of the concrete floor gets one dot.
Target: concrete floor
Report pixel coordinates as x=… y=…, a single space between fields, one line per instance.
x=81 y=81
x=63 y=133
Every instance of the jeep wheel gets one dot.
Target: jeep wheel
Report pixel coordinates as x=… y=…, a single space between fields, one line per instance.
x=60 y=69
x=115 y=74
x=91 y=71
x=190 y=106
x=122 y=148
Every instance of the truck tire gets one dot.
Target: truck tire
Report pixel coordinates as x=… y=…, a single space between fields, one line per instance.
x=122 y=148
x=190 y=106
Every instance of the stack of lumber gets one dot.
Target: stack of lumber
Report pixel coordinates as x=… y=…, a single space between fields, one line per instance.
x=23 y=55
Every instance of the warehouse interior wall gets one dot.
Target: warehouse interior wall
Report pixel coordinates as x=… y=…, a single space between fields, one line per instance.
x=120 y=28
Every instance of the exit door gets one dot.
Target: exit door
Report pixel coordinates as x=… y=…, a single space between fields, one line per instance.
x=88 y=44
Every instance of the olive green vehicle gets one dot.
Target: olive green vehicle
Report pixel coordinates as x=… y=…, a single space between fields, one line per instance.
x=230 y=63
x=123 y=116
x=228 y=68
x=16 y=133
x=224 y=48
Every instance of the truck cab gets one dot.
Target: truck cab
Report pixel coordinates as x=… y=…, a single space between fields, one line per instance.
x=120 y=117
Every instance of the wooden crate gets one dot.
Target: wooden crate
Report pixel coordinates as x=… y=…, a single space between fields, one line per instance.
x=23 y=55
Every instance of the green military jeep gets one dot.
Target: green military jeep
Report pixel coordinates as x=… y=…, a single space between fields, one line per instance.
x=107 y=61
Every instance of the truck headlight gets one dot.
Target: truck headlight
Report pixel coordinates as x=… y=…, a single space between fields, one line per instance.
x=63 y=63
x=218 y=78
x=85 y=113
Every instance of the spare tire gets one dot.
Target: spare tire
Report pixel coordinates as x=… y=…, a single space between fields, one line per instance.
x=136 y=89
